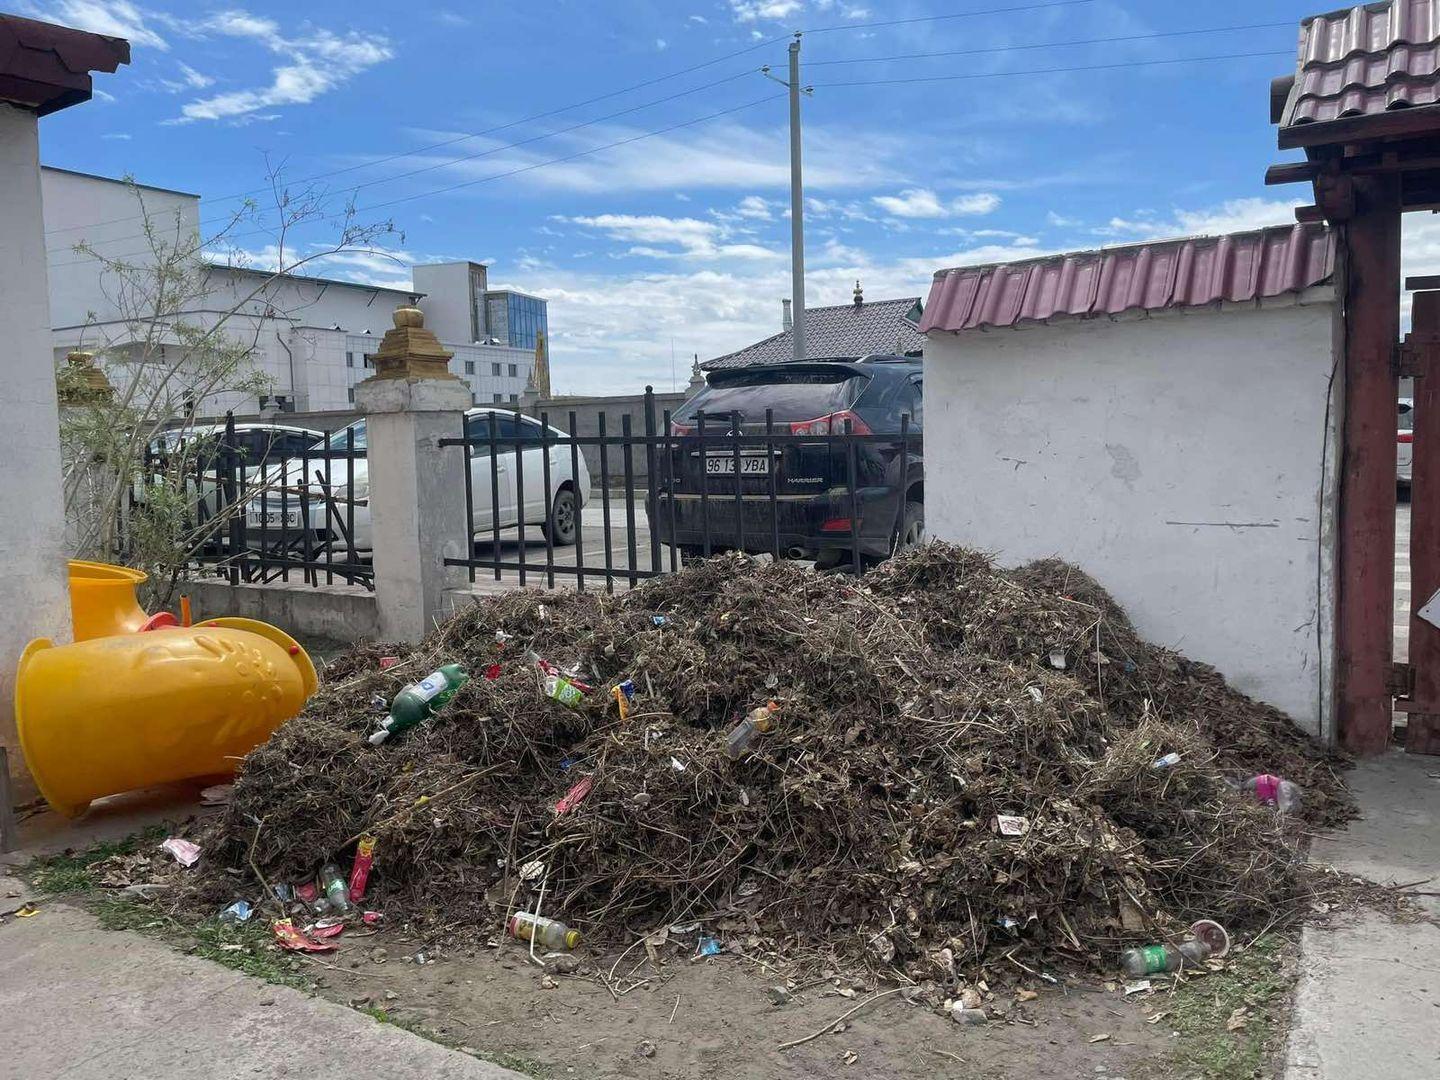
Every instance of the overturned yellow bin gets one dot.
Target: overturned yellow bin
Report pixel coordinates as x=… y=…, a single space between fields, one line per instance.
x=102 y=599
x=118 y=713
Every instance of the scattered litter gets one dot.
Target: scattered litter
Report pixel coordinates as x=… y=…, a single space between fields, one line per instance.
x=1140 y=986
x=850 y=1057
x=337 y=891
x=492 y=672
x=324 y=929
x=624 y=693
x=563 y=690
x=288 y=937
x=373 y=918
x=1057 y=659
x=217 y=795
x=709 y=946
x=387 y=662
x=645 y=1049
x=550 y=933
x=1167 y=762
x=547 y=983
x=659 y=620
x=1157 y=959
x=1006 y=825
x=186 y=853
x=25 y=911
x=1275 y=791
x=238 y=912
x=1099 y=1038
x=575 y=796
x=909 y=729
x=420 y=700
x=757 y=722
x=360 y=868
x=532 y=871
x=1215 y=937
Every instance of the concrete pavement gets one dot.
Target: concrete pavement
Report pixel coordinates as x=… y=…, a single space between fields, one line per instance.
x=1368 y=1002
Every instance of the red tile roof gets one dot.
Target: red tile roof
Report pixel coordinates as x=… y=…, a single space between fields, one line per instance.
x=1187 y=273
x=1365 y=60
x=45 y=68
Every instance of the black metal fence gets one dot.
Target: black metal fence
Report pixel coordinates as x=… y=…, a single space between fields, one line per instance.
x=712 y=484
x=260 y=514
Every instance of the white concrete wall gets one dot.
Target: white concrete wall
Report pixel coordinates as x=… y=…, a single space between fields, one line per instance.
x=1175 y=458
x=448 y=302
x=34 y=595
x=108 y=215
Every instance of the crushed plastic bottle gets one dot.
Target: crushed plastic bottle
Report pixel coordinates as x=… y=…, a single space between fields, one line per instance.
x=759 y=722
x=420 y=700
x=337 y=892
x=551 y=933
x=1275 y=791
x=1168 y=761
x=1155 y=959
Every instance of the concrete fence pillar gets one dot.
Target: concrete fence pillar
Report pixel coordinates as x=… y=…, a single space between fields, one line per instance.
x=417 y=489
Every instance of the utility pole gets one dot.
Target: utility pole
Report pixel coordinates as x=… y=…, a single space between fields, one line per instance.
x=797 y=202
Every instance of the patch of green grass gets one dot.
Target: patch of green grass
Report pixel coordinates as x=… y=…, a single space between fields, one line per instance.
x=1259 y=981
x=73 y=871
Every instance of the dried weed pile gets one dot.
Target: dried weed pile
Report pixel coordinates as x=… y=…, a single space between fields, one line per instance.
x=917 y=704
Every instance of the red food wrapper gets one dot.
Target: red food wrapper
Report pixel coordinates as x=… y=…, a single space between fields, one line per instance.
x=372 y=918
x=575 y=796
x=306 y=892
x=492 y=672
x=323 y=931
x=387 y=662
x=1267 y=789
x=360 y=871
x=292 y=939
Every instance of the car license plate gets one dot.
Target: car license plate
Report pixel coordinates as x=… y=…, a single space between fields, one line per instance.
x=272 y=519
x=753 y=465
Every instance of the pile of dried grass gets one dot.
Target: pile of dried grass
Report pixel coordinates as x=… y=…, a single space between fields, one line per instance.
x=918 y=703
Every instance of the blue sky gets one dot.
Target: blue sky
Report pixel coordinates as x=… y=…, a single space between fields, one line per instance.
x=681 y=238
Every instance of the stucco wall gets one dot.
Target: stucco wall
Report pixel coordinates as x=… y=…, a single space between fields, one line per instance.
x=1177 y=458
x=34 y=597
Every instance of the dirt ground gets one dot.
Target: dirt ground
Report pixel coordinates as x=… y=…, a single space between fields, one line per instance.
x=715 y=1018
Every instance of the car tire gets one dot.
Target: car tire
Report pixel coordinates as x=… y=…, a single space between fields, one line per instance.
x=562 y=527
x=912 y=528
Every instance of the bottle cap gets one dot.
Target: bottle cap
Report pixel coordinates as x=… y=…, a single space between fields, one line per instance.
x=572 y=938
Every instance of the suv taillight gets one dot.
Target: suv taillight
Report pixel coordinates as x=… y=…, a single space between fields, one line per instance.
x=834 y=424
x=1405 y=437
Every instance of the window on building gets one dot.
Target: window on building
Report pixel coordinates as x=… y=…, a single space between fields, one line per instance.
x=499 y=398
x=495 y=369
x=514 y=398
x=350 y=394
x=469 y=367
x=514 y=371
x=349 y=359
x=369 y=360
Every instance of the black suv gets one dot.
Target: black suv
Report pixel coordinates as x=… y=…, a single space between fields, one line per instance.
x=801 y=487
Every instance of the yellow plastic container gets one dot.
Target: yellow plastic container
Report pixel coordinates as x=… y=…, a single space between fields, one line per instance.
x=102 y=599
x=117 y=713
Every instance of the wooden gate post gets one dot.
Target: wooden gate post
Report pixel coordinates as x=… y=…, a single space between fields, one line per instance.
x=1364 y=628
x=1420 y=358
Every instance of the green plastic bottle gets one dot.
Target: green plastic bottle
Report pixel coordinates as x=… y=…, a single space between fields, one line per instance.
x=420 y=700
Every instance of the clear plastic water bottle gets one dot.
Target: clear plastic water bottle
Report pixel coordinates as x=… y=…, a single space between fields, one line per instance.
x=759 y=722
x=1155 y=959
x=551 y=933
x=337 y=892
x=420 y=700
x=1169 y=761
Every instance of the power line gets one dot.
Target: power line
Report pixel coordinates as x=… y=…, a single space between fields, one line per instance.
x=488 y=179
x=942 y=18
x=468 y=157
x=1050 y=44
x=1056 y=70
x=472 y=134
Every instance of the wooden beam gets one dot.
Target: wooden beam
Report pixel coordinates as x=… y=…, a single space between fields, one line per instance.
x=1422 y=732
x=1365 y=586
x=1305 y=214
x=1399 y=123
x=1292 y=172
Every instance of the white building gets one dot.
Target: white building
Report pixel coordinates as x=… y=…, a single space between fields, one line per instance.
x=1165 y=417
x=312 y=336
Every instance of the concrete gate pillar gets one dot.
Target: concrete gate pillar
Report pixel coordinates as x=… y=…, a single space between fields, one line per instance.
x=417 y=489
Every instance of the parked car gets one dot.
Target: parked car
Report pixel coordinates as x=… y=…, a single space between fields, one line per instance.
x=1405 y=435
x=815 y=398
x=555 y=510
x=255 y=446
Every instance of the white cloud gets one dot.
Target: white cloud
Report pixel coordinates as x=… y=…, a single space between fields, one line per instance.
x=117 y=18
x=924 y=203
x=661 y=44
x=194 y=78
x=680 y=237
x=102 y=95
x=1060 y=221
x=753 y=10
x=699 y=19
x=119 y=136
x=310 y=64
x=1234 y=215
x=755 y=207
x=451 y=18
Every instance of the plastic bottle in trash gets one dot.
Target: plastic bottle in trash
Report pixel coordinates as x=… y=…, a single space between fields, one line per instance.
x=1154 y=959
x=420 y=700
x=759 y=722
x=337 y=892
x=1275 y=791
x=551 y=933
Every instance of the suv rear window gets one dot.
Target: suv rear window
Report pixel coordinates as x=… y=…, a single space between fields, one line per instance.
x=800 y=395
